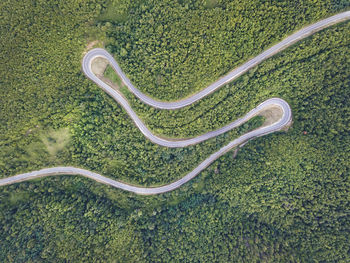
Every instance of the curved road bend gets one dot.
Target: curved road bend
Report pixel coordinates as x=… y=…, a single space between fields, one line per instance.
x=101 y=53
x=280 y=124
x=283 y=122
x=287 y=42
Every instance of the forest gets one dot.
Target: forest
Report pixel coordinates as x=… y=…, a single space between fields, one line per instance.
x=284 y=197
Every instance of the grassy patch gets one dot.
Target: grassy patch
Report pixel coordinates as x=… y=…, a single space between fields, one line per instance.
x=56 y=140
x=112 y=76
x=210 y=4
x=116 y=11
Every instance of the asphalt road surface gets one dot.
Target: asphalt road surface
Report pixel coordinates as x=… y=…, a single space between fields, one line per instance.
x=272 y=103
x=287 y=42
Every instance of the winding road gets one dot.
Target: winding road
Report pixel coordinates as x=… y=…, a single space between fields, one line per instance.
x=272 y=103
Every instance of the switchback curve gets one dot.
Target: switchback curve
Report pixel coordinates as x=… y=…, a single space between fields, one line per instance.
x=278 y=125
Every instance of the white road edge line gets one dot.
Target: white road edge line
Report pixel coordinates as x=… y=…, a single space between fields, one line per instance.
x=284 y=121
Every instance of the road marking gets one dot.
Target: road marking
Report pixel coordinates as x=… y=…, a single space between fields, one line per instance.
x=284 y=121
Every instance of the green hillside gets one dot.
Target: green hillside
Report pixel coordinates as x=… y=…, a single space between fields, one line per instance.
x=284 y=198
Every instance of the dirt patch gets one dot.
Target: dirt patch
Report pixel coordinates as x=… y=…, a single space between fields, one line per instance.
x=271 y=115
x=93 y=44
x=109 y=82
x=235 y=153
x=98 y=66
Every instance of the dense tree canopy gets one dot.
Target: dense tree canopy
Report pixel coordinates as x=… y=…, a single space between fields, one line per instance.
x=171 y=49
x=283 y=198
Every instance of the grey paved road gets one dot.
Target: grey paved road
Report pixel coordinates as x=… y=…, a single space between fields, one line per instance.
x=287 y=42
x=274 y=102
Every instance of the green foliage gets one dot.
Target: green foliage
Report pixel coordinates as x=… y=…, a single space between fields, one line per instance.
x=57 y=228
x=112 y=76
x=55 y=141
x=211 y=3
x=115 y=11
x=282 y=199
x=171 y=49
